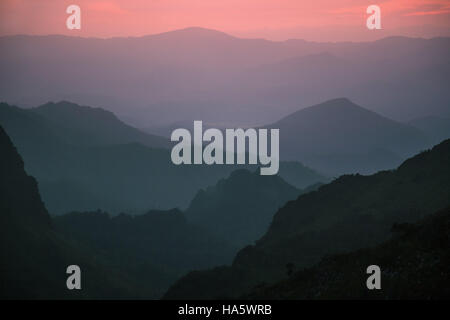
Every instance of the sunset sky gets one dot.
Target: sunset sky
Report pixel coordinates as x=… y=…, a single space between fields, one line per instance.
x=320 y=20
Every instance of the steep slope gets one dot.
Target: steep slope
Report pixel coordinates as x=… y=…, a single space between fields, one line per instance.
x=338 y=136
x=240 y=208
x=351 y=212
x=16 y=185
x=414 y=265
x=34 y=257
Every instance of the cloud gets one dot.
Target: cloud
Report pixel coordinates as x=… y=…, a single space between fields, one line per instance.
x=434 y=8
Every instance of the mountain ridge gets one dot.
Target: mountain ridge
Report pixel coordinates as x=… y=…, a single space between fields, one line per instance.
x=97 y=124
x=350 y=213
x=239 y=208
x=35 y=257
x=199 y=74
x=216 y=31
x=86 y=172
x=339 y=127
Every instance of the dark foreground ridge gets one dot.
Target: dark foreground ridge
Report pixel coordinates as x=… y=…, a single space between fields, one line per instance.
x=414 y=265
x=34 y=257
x=350 y=213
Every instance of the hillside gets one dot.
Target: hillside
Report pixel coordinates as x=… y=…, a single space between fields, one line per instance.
x=83 y=125
x=120 y=257
x=69 y=123
x=338 y=137
x=414 y=265
x=240 y=208
x=349 y=213
x=34 y=257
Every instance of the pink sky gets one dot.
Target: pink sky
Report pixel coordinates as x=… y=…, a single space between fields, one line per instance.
x=321 y=20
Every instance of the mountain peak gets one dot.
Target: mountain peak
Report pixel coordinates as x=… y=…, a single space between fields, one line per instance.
x=339 y=136
x=327 y=108
x=71 y=107
x=94 y=125
x=337 y=103
x=195 y=32
x=239 y=208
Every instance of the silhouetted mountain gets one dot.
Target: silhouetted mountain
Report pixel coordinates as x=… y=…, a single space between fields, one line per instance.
x=339 y=136
x=155 y=248
x=349 y=213
x=115 y=177
x=111 y=177
x=205 y=74
x=82 y=125
x=414 y=265
x=437 y=128
x=34 y=257
x=121 y=257
x=240 y=208
x=16 y=186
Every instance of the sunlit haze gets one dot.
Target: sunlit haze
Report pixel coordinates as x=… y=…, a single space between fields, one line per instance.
x=320 y=20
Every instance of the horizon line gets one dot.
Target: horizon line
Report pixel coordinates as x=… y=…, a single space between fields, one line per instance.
x=216 y=31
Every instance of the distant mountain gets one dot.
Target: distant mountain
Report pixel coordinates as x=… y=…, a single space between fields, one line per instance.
x=414 y=265
x=77 y=171
x=68 y=123
x=94 y=176
x=156 y=247
x=240 y=208
x=34 y=257
x=350 y=213
x=437 y=128
x=197 y=73
x=305 y=69
x=338 y=136
x=82 y=125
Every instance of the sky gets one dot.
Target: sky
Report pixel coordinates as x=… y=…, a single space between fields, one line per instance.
x=316 y=20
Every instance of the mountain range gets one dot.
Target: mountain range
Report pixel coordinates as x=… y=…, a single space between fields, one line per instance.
x=128 y=256
x=152 y=249
x=125 y=256
x=161 y=246
x=338 y=136
x=96 y=161
x=240 y=208
x=196 y=73
x=87 y=126
x=351 y=212
x=82 y=185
